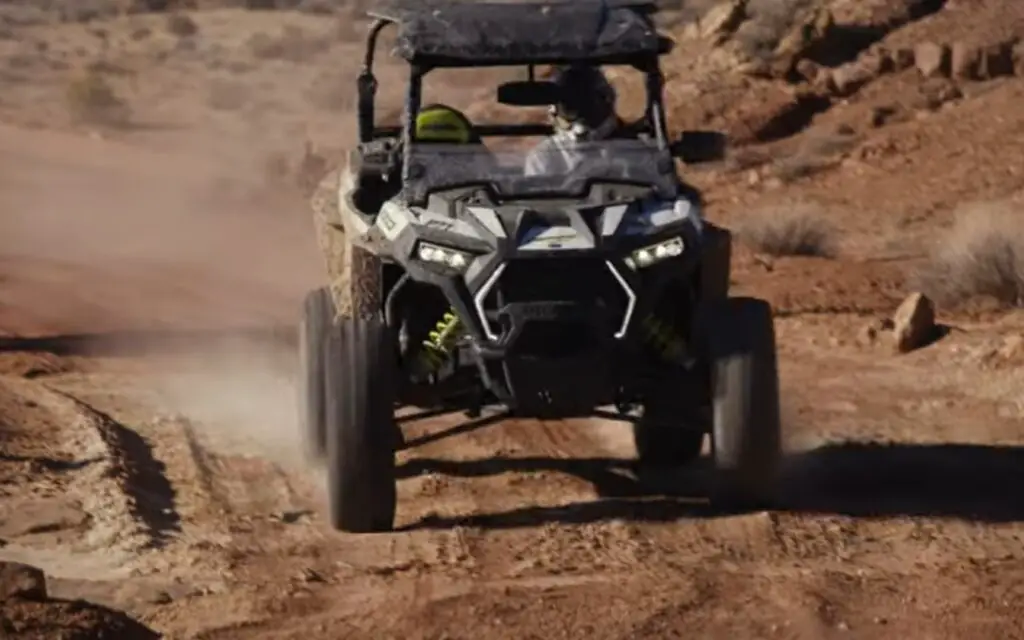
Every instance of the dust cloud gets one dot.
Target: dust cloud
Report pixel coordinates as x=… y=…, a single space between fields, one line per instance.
x=113 y=237
x=242 y=397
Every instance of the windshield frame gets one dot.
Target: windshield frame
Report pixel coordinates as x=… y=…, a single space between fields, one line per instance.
x=654 y=114
x=435 y=167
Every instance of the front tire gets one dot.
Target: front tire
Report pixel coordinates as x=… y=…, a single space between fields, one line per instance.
x=360 y=395
x=746 y=438
x=317 y=316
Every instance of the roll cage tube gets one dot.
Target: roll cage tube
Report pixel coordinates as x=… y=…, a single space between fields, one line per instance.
x=654 y=112
x=366 y=87
x=412 y=106
x=366 y=83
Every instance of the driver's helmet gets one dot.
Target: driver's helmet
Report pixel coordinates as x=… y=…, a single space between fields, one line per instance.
x=586 y=106
x=441 y=123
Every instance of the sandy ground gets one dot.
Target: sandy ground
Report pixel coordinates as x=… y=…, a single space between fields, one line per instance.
x=150 y=277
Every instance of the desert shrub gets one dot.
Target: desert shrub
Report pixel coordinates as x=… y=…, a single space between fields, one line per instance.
x=980 y=256
x=828 y=144
x=91 y=99
x=796 y=167
x=181 y=25
x=788 y=231
x=291 y=43
x=817 y=152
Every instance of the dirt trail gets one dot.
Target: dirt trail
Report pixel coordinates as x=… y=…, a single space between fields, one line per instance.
x=527 y=529
x=148 y=287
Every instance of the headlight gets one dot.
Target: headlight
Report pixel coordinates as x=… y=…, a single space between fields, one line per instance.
x=451 y=258
x=646 y=256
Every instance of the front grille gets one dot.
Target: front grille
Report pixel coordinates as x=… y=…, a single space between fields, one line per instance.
x=586 y=280
x=556 y=339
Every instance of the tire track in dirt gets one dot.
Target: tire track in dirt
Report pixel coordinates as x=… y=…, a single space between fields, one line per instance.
x=124 y=500
x=526 y=479
x=595 y=454
x=138 y=474
x=524 y=515
x=612 y=519
x=203 y=464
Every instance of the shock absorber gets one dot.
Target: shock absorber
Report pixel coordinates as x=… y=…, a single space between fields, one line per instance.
x=661 y=336
x=437 y=348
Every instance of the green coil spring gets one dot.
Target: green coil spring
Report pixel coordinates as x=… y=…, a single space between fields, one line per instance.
x=662 y=338
x=437 y=348
x=438 y=345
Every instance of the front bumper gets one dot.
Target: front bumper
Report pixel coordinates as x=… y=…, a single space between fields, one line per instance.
x=557 y=326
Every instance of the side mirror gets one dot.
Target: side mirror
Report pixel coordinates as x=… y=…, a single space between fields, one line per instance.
x=695 y=147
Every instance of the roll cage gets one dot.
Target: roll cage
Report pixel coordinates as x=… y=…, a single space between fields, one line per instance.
x=458 y=34
x=436 y=34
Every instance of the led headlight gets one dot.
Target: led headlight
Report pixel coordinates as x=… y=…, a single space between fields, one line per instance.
x=452 y=258
x=646 y=256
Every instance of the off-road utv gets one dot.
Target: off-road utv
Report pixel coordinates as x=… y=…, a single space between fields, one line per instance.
x=458 y=280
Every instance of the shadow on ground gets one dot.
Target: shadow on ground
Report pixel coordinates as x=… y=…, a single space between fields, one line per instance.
x=969 y=482
x=152 y=497
x=50 y=464
x=148 y=341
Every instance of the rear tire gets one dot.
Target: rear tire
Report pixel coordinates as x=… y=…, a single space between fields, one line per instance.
x=317 y=316
x=746 y=438
x=360 y=427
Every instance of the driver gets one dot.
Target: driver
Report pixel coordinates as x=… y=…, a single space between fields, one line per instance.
x=585 y=112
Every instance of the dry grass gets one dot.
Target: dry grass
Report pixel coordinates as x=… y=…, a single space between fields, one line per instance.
x=91 y=99
x=788 y=232
x=980 y=257
x=181 y=25
x=292 y=43
x=817 y=152
x=799 y=166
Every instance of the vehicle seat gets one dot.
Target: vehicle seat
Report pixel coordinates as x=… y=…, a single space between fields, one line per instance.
x=444 y=124
x=378 y=173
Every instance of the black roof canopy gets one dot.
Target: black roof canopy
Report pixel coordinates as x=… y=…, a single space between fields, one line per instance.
x=463 y=33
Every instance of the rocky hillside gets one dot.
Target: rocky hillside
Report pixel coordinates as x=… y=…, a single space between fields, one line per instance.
x=28 y=612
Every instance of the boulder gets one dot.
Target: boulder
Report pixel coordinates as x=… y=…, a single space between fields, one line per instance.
x=902 y=59
x=964 y=61
x=850 y=77
x=913 y=323
x=810 y=71
x=776 y=41
x=932 y=59
x=21 y=581
x=808 y=28
x=997 y=60
x=722 y=19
